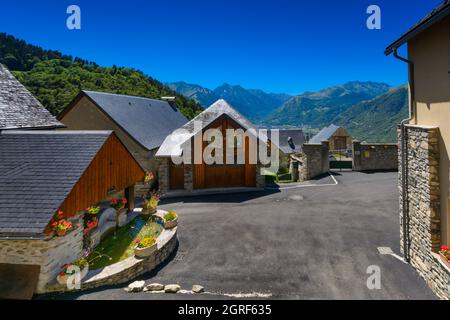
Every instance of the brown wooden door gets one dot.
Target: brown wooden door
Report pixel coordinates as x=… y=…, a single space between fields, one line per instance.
x=225 y=175
x=176 y=176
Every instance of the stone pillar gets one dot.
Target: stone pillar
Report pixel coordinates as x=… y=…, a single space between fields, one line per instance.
x=260 y=178
x=163 y=174
x=423 y=220
x=356 y=151
x=325 y=157
x=130 y=195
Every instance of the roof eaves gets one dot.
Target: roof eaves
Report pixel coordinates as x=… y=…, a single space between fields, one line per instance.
x=435 y=16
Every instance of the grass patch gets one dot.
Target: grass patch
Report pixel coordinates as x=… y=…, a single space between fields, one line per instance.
x=117 y=248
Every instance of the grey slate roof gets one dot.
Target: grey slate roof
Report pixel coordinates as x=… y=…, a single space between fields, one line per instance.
x=19 y=109
x=437 y=14
x=38 y=169
x=291 y=140
x=324 y=134
x=173 y=143
x=147 y=121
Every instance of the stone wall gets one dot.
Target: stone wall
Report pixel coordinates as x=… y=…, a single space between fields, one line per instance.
x=312 y=161
x=188 y=177
x=163 y=174
x=51 y=254
x=260 y=177
x=423 y=221
x=374 y=156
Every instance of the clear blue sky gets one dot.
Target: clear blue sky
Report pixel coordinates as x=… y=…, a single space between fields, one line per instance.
x=274 y=45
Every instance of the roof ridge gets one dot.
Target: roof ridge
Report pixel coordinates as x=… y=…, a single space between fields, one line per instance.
x=55 y=132
x=122 y=95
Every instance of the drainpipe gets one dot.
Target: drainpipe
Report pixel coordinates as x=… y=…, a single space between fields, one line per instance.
x=404 y=154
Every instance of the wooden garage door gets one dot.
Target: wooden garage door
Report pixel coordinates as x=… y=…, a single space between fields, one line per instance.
x=225 y=175
x=176 y=176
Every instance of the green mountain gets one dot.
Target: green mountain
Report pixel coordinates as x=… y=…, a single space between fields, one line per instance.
x=255 y=104
x=55 y=78
x=318 y=109
x=376 y=120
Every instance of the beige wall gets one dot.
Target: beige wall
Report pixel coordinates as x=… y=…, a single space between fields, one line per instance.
x=430 y=52
x=338 y=134
x=86 y=116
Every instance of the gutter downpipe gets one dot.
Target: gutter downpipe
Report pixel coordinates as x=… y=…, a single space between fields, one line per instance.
x=404 y=155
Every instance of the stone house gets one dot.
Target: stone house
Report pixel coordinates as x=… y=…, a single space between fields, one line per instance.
x=43 y=172
x=425 y=148
x=141 y=123
x=190 y=175
x=337 y=137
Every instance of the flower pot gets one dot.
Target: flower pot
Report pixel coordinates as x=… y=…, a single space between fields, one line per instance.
x=445 y=260
x=144 y=252
x=63 y=279
x=148 y=211
x=171 y=224
x=60 y=233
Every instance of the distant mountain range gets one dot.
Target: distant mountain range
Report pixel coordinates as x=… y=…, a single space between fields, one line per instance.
x=253 y=103
x=369 y=110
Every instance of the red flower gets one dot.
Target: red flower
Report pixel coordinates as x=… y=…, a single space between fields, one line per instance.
x=124 y=201
x=62 y=273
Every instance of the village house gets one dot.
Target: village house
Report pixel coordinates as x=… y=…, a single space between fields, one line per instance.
x=425 y=149
x=338 y=137
x=48 y=176
x=141 y=123
x=190 y=176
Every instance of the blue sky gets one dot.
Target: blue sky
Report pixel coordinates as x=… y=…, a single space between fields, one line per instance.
x=274 y=45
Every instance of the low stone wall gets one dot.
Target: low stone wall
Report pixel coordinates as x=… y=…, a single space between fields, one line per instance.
x=50 y=254
x=423 y=222
x=311 y=162
x=130 y=268
x=374 y=156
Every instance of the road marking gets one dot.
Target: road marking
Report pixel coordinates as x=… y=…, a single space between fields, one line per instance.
x=307 y=185
x=388 y=251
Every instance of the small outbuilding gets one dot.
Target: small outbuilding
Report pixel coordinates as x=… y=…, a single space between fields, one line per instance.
x=41 y=173
x=338 y=137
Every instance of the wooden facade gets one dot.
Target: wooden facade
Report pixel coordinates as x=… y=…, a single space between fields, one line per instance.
x=220 y=175
x=112 y=169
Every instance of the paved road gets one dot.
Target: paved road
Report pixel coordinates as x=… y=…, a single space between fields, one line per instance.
x=297 y=243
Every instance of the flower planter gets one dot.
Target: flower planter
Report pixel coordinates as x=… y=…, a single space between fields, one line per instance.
x=63 y=279
x=148 y=211
x=445 y=260
x=171 y=224
x=61 y=233
x=144 y=252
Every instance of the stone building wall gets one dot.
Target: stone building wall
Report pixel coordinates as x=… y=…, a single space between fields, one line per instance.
x=374 y=156
x=163 y=174
x=51 y=254
x=423 y=219
x=312 y=161
x=189 y=177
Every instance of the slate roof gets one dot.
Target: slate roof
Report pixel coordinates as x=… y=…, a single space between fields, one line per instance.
x=172 y=145
x=38 y=169
x=291 y=140
x=19 y=109
x=324 y=134
x=436 y=15
x=147 y=121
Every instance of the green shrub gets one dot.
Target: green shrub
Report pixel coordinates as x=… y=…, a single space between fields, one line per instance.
x=171 y=215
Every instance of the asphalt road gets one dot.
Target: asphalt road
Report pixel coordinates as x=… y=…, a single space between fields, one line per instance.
x=313 y=242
